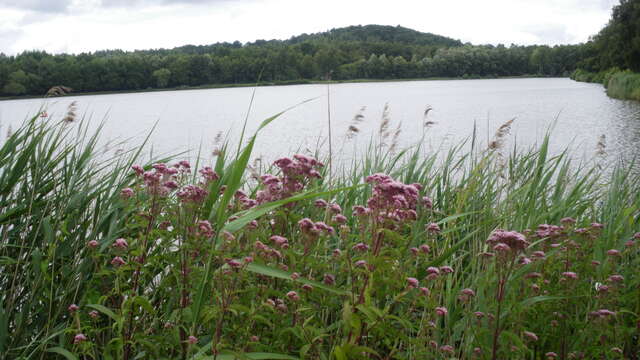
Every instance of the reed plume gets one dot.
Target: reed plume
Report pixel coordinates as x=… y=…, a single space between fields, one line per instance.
x=71 y=113
x=498 y=139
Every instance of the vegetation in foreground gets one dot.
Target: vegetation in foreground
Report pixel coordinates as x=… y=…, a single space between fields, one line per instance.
x=468 y=254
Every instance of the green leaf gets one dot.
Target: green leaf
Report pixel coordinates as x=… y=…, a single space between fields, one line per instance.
x=245 y=217
x=64 y=352
x=103 y=309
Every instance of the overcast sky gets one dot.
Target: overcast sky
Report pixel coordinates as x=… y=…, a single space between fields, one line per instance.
x=74 y=26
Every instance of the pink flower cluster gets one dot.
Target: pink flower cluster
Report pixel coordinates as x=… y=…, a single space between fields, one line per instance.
x=507 y=241
x=314 y=229
x=391 y=200
x=296 y=173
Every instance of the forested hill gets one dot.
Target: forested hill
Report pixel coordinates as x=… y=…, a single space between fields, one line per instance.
x=355 y=52
x=378 y=33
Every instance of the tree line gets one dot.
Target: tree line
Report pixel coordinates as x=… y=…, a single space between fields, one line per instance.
x=356 y=52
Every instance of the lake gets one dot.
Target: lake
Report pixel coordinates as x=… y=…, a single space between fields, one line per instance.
x=576 y=114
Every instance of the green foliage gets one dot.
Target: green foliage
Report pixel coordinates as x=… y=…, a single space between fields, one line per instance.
x=162 y=77
x=618 y=43
x=179 y=262
x=624 y=85
x=356 y=52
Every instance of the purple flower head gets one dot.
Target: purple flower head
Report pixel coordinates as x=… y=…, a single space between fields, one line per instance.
x=433 y=270
x=468 y=292
x=319 y=203
x=446 y=269
x=360 y=247
x=92 y=244
x=513 y=239
x=335 y=208
x=433 y=228
x=360 y=263
x=293 y=296
x=79 y=338
x=192 y=194
x=117 y=261
x=441 y=311
x=613 y=252
x=137 y=169
x=120 y=244
x=340 y=219
x=329 y=279
x=616 y=278
x=192 y=339
x=73 y=308
x=126 y=193
x=205 y=229
x=447 y=349
x=359 y=210
x=412 y=283
x=531 y=336
x=570 y=275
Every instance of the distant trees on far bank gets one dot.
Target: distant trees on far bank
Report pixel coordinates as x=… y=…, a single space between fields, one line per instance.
x=357 y=52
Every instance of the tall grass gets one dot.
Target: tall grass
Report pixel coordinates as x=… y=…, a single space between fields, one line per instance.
x=57 y=193
x=619 y=84
x=201 y=277
x=624 y=85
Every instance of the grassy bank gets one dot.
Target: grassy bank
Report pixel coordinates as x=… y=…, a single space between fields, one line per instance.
x=619 y=84
x=275 y=83
x=398 y=256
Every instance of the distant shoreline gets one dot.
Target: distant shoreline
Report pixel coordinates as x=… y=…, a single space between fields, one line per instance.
x=272 y=83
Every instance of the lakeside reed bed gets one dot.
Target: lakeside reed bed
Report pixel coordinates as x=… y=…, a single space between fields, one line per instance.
x=475 y=253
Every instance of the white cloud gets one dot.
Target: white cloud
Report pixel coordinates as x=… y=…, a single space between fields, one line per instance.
x=89 y=25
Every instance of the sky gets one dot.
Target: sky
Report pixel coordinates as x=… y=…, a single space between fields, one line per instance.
x=74 y=26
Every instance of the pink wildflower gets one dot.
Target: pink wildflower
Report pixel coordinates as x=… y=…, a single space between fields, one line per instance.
x=79 y=338
x=92 y=244
x=120 y=243
x=434 y=228
x=412 y=282
x=126 y=193
x=138 y=169
x=117 y=261
x=530 y=335
x=293 y=296
x=73 y=308
x=192 y=339
x=441 y=311
x=616 y=278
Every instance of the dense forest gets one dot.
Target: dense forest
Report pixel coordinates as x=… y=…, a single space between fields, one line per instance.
x=612 y=57
x=355 y=52
x=617 y=45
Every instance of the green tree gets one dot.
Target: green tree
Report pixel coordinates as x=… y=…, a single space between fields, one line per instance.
x=162 y=77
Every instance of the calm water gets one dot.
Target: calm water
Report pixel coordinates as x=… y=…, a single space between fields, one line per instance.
x=577 y=114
